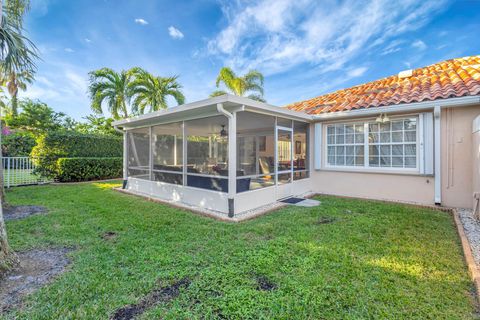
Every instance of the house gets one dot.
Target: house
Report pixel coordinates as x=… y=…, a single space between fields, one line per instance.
x=407 y=138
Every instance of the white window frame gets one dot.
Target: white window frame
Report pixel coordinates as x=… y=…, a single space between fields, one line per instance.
x=366 y=167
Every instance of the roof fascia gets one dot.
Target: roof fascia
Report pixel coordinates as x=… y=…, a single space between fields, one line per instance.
x=408 y=107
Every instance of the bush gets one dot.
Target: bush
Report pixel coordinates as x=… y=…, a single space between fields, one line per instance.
x=84 y=169
x=55 y=145
x=17 y=144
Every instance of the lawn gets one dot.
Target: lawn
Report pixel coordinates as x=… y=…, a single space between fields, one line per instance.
x=345 y=259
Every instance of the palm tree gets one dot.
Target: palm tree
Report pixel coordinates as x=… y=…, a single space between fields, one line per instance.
x=15 y=81
x=251 y=82
x=149 y=91
x=17 y=52
x=17 y=55
x=110 y=87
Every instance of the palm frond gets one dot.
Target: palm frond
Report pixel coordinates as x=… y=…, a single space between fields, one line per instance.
x=256 y=97
x=217 y=93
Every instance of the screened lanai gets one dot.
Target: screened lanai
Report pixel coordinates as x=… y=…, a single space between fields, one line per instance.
x=219 y=159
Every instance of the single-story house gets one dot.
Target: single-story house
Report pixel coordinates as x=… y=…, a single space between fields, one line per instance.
x=407 y=138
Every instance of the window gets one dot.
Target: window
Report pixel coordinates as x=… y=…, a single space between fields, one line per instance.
x=207 y=153
x=167 y=151
x=375 y=145
x=300 y=157
x=138 y=152
x=346 y=144
x=255 y=151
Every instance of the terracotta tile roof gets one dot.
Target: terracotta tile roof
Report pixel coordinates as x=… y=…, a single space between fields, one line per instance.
x=447 y=79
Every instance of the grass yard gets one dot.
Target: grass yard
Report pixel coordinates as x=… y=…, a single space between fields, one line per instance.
x=346 y=259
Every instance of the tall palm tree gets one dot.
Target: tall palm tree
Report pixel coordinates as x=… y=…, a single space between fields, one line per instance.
x=15 y=81
x=149 y=91
x=17 y=54
x=110 y=87
x=252 y=83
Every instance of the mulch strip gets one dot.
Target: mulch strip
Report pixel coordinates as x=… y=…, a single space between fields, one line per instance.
x=21 y=212
x=37 y=268
x=157 y=296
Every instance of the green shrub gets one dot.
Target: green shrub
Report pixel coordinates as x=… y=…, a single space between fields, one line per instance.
x=84 y=169
x=52 y=146
x=17 y=144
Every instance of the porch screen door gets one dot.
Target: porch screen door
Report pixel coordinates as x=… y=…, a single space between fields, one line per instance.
x=284 y=162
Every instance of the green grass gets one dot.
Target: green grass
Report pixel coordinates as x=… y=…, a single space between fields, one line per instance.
x=375 y=260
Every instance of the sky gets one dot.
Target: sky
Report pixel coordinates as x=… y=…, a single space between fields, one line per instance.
x=305 y=48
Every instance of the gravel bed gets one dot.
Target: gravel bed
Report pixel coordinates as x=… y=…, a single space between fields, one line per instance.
x=472 y=231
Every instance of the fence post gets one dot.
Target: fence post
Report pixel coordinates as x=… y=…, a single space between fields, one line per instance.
x=8 y=172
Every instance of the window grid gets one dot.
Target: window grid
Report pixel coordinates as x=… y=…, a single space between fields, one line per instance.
x=346 y=144
x=371 y=144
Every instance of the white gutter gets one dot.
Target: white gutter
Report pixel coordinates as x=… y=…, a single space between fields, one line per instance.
x=401 y=108
x=230 y=100
x=232 y=156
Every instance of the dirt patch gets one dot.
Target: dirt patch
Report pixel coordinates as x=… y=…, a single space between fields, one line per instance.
x=157 y=296
x=264 y=284
x=20 y=212
x=37 y=268
x=325 y=220
x=109 y=235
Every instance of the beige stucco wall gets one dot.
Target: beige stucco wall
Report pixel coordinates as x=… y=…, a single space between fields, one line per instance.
x=457 y=156
x=394 y=187
x=476 y=163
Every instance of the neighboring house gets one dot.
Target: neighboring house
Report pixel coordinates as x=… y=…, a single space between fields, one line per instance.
x=404 y=138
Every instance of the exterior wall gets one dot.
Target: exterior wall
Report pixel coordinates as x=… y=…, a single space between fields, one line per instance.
x=476 y=163
x=200 y=198
x=380 y=186
x=371 y=185
x=457 y=155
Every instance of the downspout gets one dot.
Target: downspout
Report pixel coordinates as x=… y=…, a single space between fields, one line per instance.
x=232 y=157
x=125 y=178
x=437 y=154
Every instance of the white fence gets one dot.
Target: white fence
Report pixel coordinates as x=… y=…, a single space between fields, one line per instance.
x=19 y=171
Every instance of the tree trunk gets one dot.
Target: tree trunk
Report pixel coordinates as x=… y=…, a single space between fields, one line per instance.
x=14 y=104
x=7 y=258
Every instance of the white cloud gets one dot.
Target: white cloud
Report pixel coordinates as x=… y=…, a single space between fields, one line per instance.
x=87 y=40
x=392 y=47
x=141 y=21
x=175 y=33
x=276 y=35
x=69 y=50
x=419 y=44
x=357 y=72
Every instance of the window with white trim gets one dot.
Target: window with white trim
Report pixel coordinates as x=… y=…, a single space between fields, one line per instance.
x=391 y=144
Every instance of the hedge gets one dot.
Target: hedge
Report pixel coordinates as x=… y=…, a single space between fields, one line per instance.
x=55 y=145
x=17 y=144
x=84 y=168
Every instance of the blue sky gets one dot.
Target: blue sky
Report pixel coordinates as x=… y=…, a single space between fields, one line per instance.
x=304 y=47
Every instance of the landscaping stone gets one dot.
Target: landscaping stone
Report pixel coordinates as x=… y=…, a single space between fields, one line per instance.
x=472 y=231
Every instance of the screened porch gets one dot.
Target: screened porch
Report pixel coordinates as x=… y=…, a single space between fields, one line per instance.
x=193 y=159
x=194 y=153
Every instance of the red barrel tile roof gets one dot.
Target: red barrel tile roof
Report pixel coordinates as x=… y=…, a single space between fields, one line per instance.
x=451 y=78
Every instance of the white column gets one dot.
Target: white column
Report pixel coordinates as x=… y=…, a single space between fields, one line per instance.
x=438 y=168
x=184 y=153
x=150 y=153
x=317 y=146
x=125 y=155
x=232 y=155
